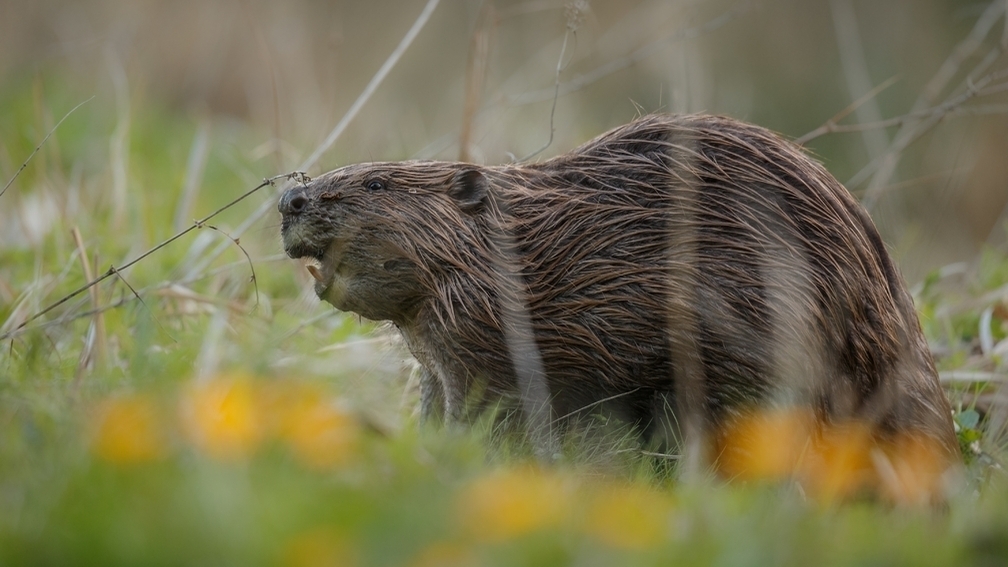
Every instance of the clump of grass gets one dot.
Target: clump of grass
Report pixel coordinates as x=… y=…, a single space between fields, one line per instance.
x=218 y=428
x=966 y=319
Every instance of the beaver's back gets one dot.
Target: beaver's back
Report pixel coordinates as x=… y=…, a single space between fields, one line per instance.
x=699 y=264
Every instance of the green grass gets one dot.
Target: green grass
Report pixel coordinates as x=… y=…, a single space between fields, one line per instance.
x=396 y=494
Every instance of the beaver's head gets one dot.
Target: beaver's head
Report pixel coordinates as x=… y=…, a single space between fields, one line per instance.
x=378 y=236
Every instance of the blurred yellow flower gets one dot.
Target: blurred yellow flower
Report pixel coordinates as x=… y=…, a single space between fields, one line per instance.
x=912 y=470
x=128 y=431
x=839 y=462
x=627 y=516
x=320 y=434
x=765 y=445
x=318 y=547
x=443 y=554
x=222 y=418
x=508 y=504
x=832 y=461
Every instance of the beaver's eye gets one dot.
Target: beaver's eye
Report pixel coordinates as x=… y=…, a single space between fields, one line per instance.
x=375 y=185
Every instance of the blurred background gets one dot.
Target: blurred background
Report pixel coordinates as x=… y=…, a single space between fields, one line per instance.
x=265 y=82
x=203 y=407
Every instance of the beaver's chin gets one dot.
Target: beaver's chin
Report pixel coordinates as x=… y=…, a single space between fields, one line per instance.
x=328 y=285
x=323 y=265
x=332 y=290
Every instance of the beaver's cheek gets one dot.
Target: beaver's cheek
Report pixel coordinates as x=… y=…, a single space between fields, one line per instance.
x=333 y=292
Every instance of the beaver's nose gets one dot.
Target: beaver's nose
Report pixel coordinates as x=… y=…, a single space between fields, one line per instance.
x=293 y=202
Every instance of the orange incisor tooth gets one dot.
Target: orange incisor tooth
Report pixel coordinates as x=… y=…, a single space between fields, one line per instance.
x=315 y=273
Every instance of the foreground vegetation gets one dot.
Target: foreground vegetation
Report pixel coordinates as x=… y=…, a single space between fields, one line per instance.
x=213 y=418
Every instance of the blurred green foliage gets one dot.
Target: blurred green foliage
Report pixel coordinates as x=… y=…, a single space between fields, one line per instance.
x=151 y=492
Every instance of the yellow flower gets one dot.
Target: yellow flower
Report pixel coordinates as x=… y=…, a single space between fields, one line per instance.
x=221 y=417
x=832 y=461
x=912 y=469
x=765 y=445
x=626 y=516
x=839 y=462
x=512 y=503
x=444 y=554
x=320 y=434
x=128 y=431
x=318 y=547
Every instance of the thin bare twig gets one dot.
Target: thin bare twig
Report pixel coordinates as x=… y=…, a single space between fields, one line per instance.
x=581 y=81
x=556 y=95
x=336 y=132
x=114 y=270
x=881 y=170
x=442 y=143
x=574 y=11
x=237 y=242
x=915 y=125
x=951 y=106
x=855 y=68
x=831 y=125
x=365 y=95
x=42 y=143
x=142 y=302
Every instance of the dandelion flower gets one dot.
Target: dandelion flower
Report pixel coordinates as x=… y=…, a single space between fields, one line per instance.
x=509 y=504
x=221 y=418
x=128 y=431
x=319 y=547
x=629 y=517
x=320 y=434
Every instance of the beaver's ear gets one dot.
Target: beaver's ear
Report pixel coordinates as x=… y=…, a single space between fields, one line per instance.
x=469 y=190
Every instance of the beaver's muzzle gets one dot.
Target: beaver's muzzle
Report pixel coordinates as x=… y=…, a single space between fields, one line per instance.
x=293 y=202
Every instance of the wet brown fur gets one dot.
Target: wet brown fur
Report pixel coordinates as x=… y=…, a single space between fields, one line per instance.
x=672 y=272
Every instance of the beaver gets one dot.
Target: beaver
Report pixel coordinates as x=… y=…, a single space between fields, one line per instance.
x=672 y=273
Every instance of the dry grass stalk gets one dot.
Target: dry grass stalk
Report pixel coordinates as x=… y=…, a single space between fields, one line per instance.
x=97 y=345
x=334 y=134
x=39 y=146
x=195 y=166
x=881 y=170
x=119 y=144
x=855 y=68
x=479 y=54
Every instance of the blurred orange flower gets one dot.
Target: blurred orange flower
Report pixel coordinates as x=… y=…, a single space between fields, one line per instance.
x=319 y=547
x=128 y=431
x=445 y=554
x=839 y=464
x=628 y=516
x=765 y=445
x=833 y=461
x=320 y=434
x=913 y=469
x=222 y=418
x=512 y=503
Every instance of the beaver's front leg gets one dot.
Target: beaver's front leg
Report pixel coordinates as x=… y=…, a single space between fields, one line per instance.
x=432 y=398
